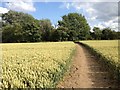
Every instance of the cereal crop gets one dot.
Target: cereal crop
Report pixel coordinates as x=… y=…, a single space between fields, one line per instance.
x=35 y=65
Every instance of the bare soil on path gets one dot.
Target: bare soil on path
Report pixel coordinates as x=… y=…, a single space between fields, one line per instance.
x=87 y=72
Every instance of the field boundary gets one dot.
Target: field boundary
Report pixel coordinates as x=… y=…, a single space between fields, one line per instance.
x=66 y=68
x=113 y=69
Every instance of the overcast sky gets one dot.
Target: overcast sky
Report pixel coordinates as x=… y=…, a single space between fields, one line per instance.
x=98 y=13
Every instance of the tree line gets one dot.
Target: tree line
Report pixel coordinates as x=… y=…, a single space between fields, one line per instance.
x=22 y=27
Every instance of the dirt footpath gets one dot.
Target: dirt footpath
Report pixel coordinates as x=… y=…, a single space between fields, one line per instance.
x=87 y=72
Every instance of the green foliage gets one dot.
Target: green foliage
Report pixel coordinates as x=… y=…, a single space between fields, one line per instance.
x=63 y=33
x=46 y=28
x=16 y=17
x=22 y=27
x=72 y=35
x=97 y=33
x=77 y=26
x=56 y=35
x=108 y=34
x=31 y=32
x=104 y=34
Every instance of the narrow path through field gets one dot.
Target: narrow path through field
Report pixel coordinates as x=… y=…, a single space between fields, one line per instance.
x=87 y=72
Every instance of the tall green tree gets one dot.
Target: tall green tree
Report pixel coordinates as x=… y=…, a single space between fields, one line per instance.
x=108 y=34
x=77 y=23
x=64 y=33
x=46 y=28
x=97 y=33
x=32 y=32
x=23 y=27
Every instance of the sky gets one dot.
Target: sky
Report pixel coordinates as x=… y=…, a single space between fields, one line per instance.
x=98 y=13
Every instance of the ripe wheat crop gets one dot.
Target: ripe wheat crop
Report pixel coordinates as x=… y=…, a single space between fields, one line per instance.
x=35 y=65
x=109 y=48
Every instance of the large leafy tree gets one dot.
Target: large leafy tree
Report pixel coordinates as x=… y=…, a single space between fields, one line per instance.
x=12 y=33
x=77 y=24
x=21 y=26
x=46 y=28
x=108 y=34
x=97 y=33
x=32 y=32
x=63 y=33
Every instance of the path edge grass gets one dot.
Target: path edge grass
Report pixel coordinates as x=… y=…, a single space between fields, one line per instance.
x=66 y=67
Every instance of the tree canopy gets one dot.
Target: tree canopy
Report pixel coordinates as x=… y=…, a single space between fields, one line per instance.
x=77 y=26
x=22 y=27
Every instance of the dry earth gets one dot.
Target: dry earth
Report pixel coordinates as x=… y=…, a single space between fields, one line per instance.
x=87 y=72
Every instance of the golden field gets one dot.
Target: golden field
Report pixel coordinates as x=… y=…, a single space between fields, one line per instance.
x=109 y=48
x=35 y=64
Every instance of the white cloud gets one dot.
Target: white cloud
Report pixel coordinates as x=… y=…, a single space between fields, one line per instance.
x=102 y=14
x=66 y=0
x=113 y=24
x=65 y=5
x=103 y=10
x=68 y=5
x=100 y=25
x=3 y=10
x=21 y=5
